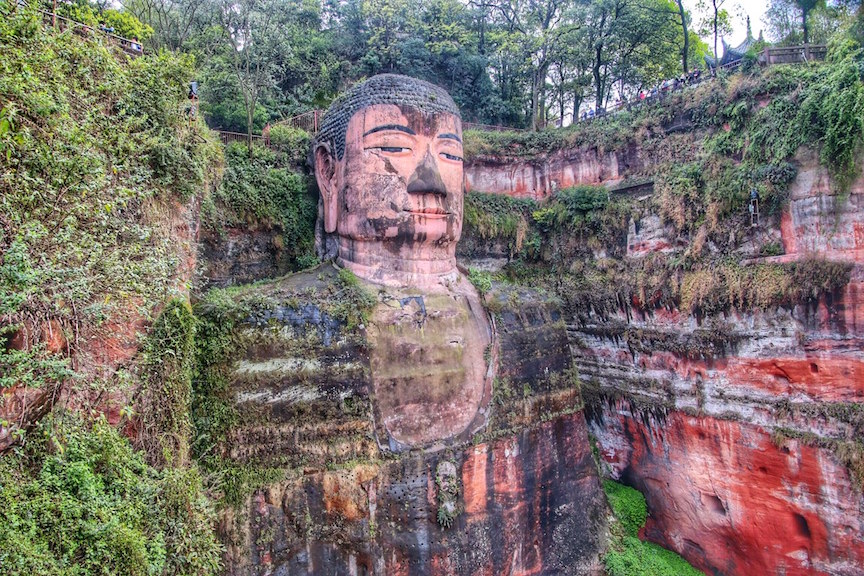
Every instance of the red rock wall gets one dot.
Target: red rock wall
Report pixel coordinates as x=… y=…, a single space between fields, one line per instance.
x=531 y=504
x=738 y=427
x=538 y=177
x=723 y=495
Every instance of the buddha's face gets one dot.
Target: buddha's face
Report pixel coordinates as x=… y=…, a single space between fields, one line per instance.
x=399 y=182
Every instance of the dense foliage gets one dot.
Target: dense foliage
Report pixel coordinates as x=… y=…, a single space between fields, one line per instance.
x=504 y=62
x=264 y=190
x=93 y=146
x=94 y=150
x=79 y=500
x=629 y=556
x=165 y=397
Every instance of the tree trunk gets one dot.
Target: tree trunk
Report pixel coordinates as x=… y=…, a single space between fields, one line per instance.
x=686 y=50
x=598 y=86
x=250 y=114
x=716 y=55
x=804 y=25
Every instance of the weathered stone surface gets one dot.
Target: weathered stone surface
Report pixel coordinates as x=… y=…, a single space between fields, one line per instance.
x=538 y=177
x=241 y=256
x=730 y=500
x=743 y=429
x=527 y=499
x=530 y=504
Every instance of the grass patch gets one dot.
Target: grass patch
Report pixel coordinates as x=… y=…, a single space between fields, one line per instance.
x=629 y=556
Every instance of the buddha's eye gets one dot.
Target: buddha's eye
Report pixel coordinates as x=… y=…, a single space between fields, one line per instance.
x=391 y=149
x=453 y=157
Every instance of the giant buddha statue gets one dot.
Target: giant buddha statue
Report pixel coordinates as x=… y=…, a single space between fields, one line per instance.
x=385 y=417
x=388 y=162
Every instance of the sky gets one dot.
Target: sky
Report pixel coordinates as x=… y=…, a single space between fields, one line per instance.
x=738 y=9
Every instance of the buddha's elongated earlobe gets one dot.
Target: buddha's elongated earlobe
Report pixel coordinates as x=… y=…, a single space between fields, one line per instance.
x=327 y=178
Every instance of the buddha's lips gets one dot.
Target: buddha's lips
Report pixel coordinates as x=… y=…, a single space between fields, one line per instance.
x=430 y=212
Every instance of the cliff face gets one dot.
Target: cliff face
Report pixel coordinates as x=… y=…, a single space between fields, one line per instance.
x=539 y=177
x=319 y=486
x=742 y=428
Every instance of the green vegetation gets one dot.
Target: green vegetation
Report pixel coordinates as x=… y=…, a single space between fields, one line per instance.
x=264 y=191
x=629 y=556
x=481 y=280
x=79 y=500
x=96 y=153
x=124 y=23
x=292 y=145
x=169 y=356
x=93 y=149
x=744 y=133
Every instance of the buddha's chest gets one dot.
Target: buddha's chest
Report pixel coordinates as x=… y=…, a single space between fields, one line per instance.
x=429 y=360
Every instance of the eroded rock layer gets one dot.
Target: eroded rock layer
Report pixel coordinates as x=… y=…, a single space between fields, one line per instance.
x=744 y=427
x=331 y=494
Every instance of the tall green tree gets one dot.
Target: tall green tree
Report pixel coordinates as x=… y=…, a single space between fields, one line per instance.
x=252 y=29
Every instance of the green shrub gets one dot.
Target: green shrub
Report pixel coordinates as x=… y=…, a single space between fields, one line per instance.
x=629 y=556
x=169 y=357
x=125 y=24
x=481 y=280
x=497 y=215
x=260 y=191
x=628 y=506
x=93 y=147
x=572 y=208
x=81 y=501
x=291 y=144
x=633 y=557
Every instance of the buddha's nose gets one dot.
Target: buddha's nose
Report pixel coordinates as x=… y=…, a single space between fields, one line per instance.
x=426 y=179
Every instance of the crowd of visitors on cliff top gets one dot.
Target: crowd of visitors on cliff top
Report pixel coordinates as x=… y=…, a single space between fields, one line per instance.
x=670 y=85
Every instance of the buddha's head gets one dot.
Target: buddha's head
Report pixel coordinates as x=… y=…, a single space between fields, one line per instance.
x=388 y=161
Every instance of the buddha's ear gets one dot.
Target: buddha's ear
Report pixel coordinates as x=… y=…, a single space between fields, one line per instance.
x=327 y=178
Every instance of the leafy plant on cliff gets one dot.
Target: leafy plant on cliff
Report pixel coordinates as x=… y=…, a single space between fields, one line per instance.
x=264 y=191
x=629 y=556
x=82 y=502
x=169 y=355
x=95 y=149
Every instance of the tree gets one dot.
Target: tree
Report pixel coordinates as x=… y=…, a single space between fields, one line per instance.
x=785 y=20
x=806 y=6
x=682 y=14
x=253 y=31
x=717 y=24
x=173 y=21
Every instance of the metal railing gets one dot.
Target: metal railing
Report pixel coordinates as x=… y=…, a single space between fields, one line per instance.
x=229 y=137
x=131 y=47
x=489 y=127
x=308 y=121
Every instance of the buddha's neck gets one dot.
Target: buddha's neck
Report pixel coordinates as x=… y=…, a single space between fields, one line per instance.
x=414 y=264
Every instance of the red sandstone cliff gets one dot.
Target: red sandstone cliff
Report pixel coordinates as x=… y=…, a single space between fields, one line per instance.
x=741 y=429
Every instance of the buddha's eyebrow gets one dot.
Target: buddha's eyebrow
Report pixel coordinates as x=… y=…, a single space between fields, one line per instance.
x=450 y=136
x=397 y=127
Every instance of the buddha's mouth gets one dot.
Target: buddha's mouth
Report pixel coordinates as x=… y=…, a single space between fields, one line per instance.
x=429 y=212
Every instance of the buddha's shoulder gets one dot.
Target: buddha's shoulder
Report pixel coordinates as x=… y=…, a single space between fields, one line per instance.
x=531 y=335
x=322 y=294
x=521 y=305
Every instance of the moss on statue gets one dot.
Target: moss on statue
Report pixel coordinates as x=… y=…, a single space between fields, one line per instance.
x=294 y=333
